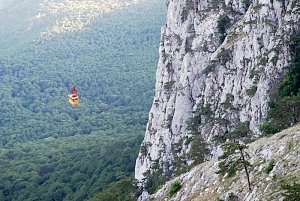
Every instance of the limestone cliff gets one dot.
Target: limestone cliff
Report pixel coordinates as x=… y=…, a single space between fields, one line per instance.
x=275 y=161
x=220 y=60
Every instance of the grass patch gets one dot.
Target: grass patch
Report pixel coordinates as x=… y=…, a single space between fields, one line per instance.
x=174 y=188
x=251 y=91
x=270 y=166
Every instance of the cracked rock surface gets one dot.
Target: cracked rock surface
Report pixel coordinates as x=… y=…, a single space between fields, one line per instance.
x=231 y=74
x=203 y=184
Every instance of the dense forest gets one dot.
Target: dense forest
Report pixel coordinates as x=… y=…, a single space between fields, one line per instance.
x=70 y=168
x=50 y=150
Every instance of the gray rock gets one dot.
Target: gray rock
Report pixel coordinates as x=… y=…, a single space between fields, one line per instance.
x=234 y=78
x=202 y=183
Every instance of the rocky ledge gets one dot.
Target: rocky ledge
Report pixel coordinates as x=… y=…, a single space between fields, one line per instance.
x=275 y=161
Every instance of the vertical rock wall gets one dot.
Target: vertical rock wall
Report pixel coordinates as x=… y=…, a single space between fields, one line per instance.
x=225 y=80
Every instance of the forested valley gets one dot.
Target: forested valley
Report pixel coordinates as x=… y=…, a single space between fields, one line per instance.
x=50 y=150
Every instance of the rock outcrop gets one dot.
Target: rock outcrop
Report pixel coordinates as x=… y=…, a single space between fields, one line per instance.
x=220 y=61
x=275 y=161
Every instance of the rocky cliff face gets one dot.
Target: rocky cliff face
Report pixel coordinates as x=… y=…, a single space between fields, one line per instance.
x=220 y=61
x=275 y=161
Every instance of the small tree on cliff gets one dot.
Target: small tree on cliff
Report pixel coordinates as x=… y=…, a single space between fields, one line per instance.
x=234 y=159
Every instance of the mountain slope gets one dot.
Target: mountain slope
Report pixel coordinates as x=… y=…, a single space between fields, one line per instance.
x=111 y=62
x=70 y=168
x=220 y=64
x=50 y=150
x=202 y=183
x=22 y=22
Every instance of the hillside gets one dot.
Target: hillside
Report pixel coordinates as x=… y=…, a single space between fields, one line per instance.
x=50 y=150
x=22 y=22
x=275 y=162
x=111 y=62
x=70 y=168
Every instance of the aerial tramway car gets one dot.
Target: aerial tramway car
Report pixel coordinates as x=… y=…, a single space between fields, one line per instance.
x=73 y=97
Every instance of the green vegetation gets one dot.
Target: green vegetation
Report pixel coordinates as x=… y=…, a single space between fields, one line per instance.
x=168 y=86
x=291 y=192
x=246 y=4
x=110 y=62
x=254 y=74
x=263 y=61
x=233 y=197
x=251 y=91
x=193 y=124
x=122 y=190
x=174 y=188
x=225 y=55
x=267 y=128
x=228 y=102
x=155 y=180
x=241 y=131
x=159 y=176
x=71 y=168
x=210 y=67
x=223 y=22
x=285 y=108
x=290 y=85
x=50 y=150
x=270 y=166
x=199 y=150
x=234 y=159
x=283 y=113
x=257 y=7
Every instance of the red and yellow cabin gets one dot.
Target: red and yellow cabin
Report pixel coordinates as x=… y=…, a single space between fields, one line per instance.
x=73 y=99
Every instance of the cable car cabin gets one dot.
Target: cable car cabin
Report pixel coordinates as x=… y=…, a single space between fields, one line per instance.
x=73 y=99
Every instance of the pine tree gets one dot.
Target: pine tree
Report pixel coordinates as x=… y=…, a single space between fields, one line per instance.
x=234 y=159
